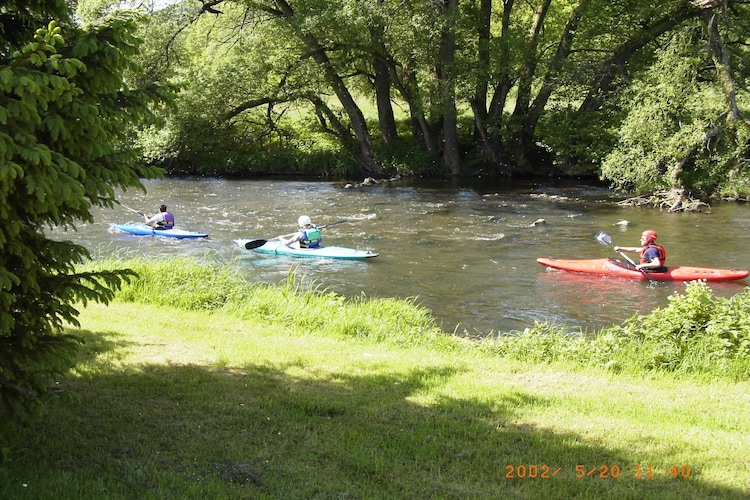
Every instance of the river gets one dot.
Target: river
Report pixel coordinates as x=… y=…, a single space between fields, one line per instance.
x=465 y=252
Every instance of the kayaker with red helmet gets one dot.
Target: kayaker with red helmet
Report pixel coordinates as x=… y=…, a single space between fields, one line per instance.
x=653 y=256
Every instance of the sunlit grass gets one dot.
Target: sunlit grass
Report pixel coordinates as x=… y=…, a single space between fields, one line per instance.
x=252 y=396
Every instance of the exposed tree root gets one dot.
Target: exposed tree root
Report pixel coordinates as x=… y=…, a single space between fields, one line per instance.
x=673 y=200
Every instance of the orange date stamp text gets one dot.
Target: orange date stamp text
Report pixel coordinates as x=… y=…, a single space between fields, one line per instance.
x=581 y=471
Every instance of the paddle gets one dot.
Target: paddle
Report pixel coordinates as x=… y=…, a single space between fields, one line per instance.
x=604 y=239
x=132 y=209
x=259 y=243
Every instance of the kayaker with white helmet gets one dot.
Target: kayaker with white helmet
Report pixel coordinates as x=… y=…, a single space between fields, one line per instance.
x=308 y=236
x=653 y=256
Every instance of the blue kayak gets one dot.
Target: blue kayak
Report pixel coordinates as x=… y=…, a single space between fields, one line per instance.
x=326 y=252
x=144 y=230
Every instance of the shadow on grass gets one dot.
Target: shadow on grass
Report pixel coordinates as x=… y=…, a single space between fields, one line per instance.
x=262 y=431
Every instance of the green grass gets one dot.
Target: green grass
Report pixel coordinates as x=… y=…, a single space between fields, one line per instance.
x=251 y=396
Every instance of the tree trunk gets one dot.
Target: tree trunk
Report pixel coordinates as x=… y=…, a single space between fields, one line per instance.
x=382 y=84
x=522 y=134
x=447 y=88
x=386 y=118
x=367 y=159
x=505 y=82
x=555 y=67
x=489 y=122
x=420 y=128
x=720 y=56
x=479 y=101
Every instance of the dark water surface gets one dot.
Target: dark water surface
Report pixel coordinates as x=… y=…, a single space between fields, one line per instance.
x=466 y=253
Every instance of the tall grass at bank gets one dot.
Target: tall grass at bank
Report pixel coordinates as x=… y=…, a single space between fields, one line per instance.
x=185 y=284
x=696 y=334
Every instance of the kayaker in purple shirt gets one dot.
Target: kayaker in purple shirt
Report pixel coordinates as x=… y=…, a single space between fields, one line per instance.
x=163 y=220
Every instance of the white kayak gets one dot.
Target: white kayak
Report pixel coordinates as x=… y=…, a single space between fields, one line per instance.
x=276 y=247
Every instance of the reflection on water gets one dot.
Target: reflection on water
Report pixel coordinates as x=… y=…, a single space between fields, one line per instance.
x=617 y=298
x=466 y=254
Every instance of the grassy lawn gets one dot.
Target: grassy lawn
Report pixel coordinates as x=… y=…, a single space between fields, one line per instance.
x=196 y=404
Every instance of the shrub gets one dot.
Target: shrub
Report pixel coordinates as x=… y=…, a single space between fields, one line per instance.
x=695 y=333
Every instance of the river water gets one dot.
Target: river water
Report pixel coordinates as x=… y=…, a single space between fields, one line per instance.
x=465 y=252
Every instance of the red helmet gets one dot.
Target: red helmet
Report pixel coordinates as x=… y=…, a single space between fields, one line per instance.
x=650 y=235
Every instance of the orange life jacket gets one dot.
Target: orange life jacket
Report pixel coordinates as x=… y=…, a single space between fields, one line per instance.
x=662 y=253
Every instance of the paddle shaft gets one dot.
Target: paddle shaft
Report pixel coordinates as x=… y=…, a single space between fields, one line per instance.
x=603 y=237
x=132 y=209
x=332 y=224
x=259 y=243
x=625 y=257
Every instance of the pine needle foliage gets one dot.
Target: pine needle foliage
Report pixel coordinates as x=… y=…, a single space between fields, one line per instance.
x=64 y=112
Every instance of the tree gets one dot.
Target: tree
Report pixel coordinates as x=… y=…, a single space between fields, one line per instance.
x=515 y=88
x=297 y=23
x=447 y=87
x=319 y=53
x=687 y=131
x=65 y=111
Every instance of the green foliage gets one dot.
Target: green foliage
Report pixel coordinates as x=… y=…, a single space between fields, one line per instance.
x=232 y=115
x=696 y=334
x=177 y=283
x=579 y=142
x=406 y=158
x=728 y=164
x=550 y=83
x=64 y=111
x=544 y=343
x=673 y=106
x=665 y=125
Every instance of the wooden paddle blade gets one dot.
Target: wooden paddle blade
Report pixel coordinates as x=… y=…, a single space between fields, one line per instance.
x=255 y=244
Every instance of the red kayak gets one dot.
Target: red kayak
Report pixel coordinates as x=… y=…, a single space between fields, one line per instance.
x=623 y=269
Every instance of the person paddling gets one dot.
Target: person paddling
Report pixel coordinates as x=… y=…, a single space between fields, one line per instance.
x=308 y=235
x=653 y=256
x=163 y=220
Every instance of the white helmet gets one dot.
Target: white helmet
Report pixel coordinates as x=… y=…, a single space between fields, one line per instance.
x=304 y=220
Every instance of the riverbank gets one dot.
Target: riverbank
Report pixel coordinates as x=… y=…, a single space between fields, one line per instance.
x=202 y=400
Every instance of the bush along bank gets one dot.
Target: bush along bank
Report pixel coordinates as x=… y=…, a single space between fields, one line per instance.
x=696 y=334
